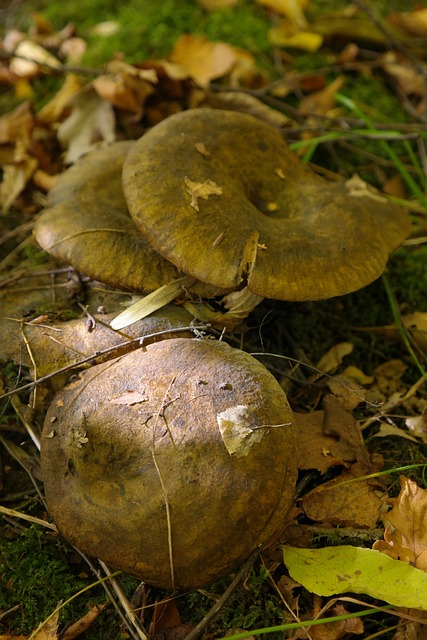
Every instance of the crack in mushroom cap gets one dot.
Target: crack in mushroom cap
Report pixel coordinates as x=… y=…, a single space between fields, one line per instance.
x=87 y=225
x=256 y=215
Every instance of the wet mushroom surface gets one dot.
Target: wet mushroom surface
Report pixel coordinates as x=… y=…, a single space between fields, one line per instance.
x=220 y=194
x=172 y=463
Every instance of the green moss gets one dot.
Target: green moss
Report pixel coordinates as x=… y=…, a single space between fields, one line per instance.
x=150 y=28
x=35 y=573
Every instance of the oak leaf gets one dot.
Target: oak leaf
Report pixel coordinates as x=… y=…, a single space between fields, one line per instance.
x=405 y=537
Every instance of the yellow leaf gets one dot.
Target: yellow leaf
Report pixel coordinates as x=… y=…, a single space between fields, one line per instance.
x=292 y=9
x=333 y=358
x=304 y=40
x=203 y=60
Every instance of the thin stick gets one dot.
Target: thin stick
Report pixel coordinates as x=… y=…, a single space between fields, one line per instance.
x=219 y=604
x=130 y=614
x=98 y=354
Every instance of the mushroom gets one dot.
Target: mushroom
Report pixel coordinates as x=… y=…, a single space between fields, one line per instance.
x=172 y=463
x=220 y=195
x=87 y=225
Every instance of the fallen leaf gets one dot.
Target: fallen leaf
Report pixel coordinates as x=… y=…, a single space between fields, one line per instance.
x=334 y=570
x=201 y=190
x=292 y=9
x=303 y=40
x=17 y=125
x=331 y=360
x=165 y=616
x=30 y=58
x=417 y=425
x=55 y=109
x=91 y=121
x=405 y=537
x=344 y=504
x=85 y=622
x=330 y=438
x=415 y=22
x=408 y=77
x=15 y=178
x=202 y=59
x=125 y=86
x=339 y=629
x=48 y=630
x=214 y=5
x=387 y=430
x=321 y=102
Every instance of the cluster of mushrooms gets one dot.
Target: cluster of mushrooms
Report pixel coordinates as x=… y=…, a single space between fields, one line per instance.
x=174 y=462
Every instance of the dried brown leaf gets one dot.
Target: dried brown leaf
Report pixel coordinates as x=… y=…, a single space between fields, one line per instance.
x=82 y=625
x=203 y=60
x=339 y=629
x=415 y=22
x=91 y=121
x=355 y=504
x=201 y=190
x=17 y=125
x=331 y=437
x=49 y=628
x=405 y=537
x=331 y=360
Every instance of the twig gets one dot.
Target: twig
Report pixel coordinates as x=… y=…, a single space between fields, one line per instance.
x=99 y=354
x=132 y=619
x=219 y=604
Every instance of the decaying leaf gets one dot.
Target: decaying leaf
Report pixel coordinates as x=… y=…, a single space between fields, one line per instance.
x=17 y=125
x=321 y=102
x=29 y=57
x=48 y=630
x=415 y=22
x=125 y=86
x=54 y=110
x=344 y=504
x=304 y=40
x=213 y=5
x=201 y=190
x=82 y=625
x=15 y=178
x=203 y=60
x=329 y=438
x=339 y=629
x=405 y=537
x=292 y=9
x=91 y=121
x=331 y=360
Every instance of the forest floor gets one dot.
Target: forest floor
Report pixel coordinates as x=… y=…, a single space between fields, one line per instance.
x=348 y=88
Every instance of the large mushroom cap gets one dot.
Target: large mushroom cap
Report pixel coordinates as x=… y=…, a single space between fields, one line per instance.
x=88 y=225
x=219 y=194
x=173 y=463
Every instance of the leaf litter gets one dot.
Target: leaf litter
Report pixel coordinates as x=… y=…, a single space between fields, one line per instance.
x=82 y=115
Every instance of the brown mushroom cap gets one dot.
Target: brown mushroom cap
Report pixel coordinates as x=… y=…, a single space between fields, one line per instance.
x=172 y=464
x=88 y=225
x=219 y=194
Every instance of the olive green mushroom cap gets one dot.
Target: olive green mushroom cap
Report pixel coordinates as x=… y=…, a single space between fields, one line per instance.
x=87 y=225
x=220 y=195
x=172 y=463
